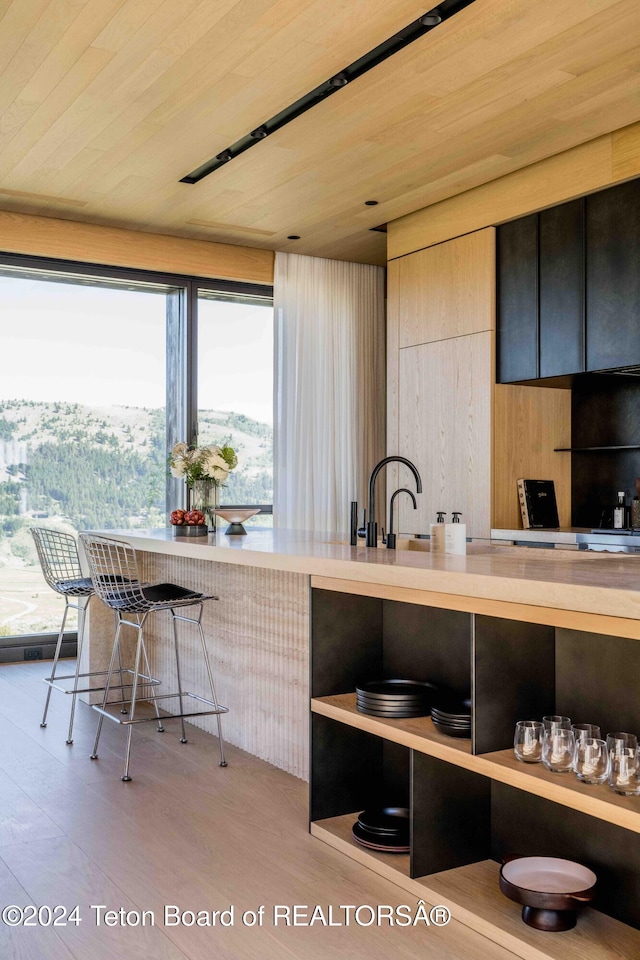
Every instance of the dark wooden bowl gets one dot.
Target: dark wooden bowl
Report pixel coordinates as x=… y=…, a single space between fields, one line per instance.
x=553 y=909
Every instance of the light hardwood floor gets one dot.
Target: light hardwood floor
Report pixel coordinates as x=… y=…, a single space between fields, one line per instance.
x=183 y=832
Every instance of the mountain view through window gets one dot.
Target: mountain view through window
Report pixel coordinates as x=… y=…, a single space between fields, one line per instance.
x=83 y=426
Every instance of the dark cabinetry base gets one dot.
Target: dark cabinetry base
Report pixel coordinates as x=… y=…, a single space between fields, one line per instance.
x=472 y=804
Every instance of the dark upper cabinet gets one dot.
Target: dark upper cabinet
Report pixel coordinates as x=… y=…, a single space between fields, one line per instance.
x=541 y=312
x=517 y=338
x=561 y=290
x=613 y=277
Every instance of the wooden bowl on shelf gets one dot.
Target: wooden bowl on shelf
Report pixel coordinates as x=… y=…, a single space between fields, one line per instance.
x=550 y=890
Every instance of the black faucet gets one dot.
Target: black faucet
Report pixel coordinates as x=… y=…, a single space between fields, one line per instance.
x=372 y=526
x=391 y=537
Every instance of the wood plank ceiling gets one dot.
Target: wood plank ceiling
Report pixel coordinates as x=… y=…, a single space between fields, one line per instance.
x=106 y=104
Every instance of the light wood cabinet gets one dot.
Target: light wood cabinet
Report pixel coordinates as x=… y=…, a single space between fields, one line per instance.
x=447 y=290
x=445 y=400
x=470 y=438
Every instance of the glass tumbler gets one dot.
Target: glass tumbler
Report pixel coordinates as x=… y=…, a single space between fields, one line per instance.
x=591 y=762
x=624 y=772
x=558 y=748
x=556 y=722
x=584 y=730
x=527 y=742
x=620 y=741
x=624 y=764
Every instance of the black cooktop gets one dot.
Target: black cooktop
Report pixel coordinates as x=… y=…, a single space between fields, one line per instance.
x=617 y=532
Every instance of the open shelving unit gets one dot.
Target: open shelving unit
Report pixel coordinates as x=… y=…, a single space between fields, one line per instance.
x=420 y=734
x=471 y=802
x=597 y=936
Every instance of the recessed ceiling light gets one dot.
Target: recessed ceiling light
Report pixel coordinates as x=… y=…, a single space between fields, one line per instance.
x=371 y=203
x=224 y=156
x=293 y=236
x=259 y=133
x=340 y=80
x=431 y=19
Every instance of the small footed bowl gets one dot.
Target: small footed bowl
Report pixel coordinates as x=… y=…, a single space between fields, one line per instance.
x=235 y=519
x=550 y=890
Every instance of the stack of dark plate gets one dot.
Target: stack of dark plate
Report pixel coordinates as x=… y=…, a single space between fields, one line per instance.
x=383 y=828
x=394 y=699
x=453 y=717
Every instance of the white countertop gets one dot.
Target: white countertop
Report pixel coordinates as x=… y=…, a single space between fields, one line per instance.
x=591 y=583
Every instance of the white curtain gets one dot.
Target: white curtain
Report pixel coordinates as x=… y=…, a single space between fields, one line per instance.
x=330 y=406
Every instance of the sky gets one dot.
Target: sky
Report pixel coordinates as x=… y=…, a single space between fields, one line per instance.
x=99 y=346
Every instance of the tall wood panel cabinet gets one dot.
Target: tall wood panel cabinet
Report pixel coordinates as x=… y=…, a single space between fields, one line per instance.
x=470 y=438
x=441 y=318
x=445 y=402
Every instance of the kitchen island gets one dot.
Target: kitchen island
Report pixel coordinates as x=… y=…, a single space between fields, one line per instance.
x=259 y=630
x=526 y=631
x=607 y=585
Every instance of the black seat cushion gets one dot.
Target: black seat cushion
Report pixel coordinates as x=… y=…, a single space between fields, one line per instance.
x=170 y=592
x=124 y=594
x=120 y=597
x=82 y=587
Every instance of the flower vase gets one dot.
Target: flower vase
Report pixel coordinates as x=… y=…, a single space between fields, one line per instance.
x=205 y=496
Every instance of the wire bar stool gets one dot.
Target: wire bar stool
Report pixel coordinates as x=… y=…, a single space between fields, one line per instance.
x=114 y=572
x=60 y=563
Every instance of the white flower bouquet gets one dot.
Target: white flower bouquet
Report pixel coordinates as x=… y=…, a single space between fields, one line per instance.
x=202 y=463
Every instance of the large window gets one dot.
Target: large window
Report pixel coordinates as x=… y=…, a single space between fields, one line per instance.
x=235 y=390
x=82 y=423
x=102 y=371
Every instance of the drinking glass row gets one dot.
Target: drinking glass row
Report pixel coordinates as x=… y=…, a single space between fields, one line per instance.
x=564 y=747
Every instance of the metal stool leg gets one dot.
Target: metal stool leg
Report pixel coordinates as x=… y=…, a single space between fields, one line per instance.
x=56 y=657
x=183 y=738
x=125 y=777
x=82 y=609
x=116 y=649
x=148 y=670
x=123 y=708
x=223 y=762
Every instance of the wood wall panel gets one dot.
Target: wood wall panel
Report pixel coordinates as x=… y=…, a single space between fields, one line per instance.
x=445 y=395
x=447 y=290
x=91 y=243
x=583 y=169
x=529 y=422
x=258 y=640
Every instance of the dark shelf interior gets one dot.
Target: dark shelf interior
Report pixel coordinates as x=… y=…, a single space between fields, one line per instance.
x=514 y=670
x=605 y=423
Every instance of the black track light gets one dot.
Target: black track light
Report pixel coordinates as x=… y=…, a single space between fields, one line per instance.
x=353 y=71
x=293 y=236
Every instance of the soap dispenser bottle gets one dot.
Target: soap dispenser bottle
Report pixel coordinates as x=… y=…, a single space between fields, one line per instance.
x=456 y=535
x=437 y=531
